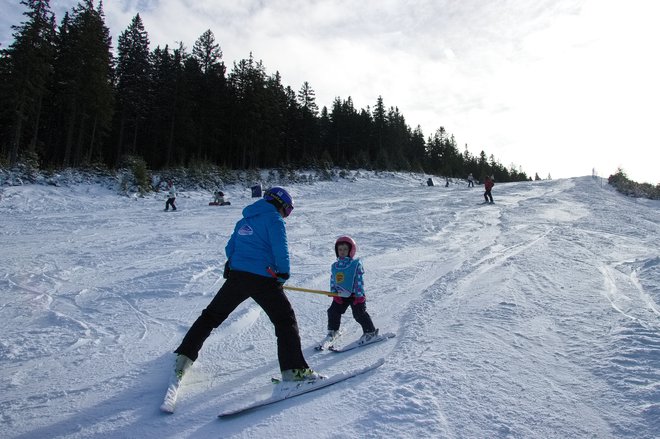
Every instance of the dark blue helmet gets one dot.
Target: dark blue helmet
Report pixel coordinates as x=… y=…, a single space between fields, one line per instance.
x=280 y=198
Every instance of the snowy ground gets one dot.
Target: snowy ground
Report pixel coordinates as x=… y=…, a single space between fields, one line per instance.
x=536 y=317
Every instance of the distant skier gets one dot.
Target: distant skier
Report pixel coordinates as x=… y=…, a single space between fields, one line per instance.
x=488 y=185
x=171 y=196
x=470 y=180
x=257 y=246
x=347 y=281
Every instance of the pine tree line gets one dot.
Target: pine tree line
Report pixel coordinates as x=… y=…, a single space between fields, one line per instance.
x=68 y=102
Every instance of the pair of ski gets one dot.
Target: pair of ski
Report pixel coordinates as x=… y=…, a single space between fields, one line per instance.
x=283 y=389
x=329 y=342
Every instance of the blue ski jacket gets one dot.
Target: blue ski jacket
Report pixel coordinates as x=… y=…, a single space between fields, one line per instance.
x=259 y=241
x=347 y=277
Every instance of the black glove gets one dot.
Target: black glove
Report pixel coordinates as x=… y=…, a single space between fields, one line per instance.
x=225 y=273
x=282 y=277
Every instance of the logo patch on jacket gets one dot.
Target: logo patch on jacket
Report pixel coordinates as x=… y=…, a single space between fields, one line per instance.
x=339 y=277
x=246 y=230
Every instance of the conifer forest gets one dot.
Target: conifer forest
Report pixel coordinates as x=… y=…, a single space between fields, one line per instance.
x=70 y=99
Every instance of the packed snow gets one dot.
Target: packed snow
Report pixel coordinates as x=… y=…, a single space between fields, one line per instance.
x=535 y=317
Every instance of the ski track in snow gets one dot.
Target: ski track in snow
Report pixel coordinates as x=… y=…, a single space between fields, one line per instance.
x=538 y=316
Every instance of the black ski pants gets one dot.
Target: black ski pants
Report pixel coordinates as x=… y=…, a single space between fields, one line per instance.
x=359 y=310
x=488 y=195
x=269 y=295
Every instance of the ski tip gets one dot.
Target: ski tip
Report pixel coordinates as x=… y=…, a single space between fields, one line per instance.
x=167 y=409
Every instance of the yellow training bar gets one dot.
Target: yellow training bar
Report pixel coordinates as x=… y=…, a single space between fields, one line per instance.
x=307 y=290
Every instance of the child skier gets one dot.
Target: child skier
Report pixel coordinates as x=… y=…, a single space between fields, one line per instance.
x=347 y=281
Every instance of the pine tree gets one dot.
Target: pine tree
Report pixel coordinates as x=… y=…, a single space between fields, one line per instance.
x=293 y=128
x=63 y=89
x=207 y=52
x=173 y=110
x=416 y=152
x=248 y=82
x=209 y=87
x=26 y=69
x=307 y=99
x=482 y=164
x=363 y=132
x=84 y=92
x=398 y=139
x=310 y=126
x=165 y=84
x=380 y=122
x=133 y=84
x=434 y=149
x=275 y=132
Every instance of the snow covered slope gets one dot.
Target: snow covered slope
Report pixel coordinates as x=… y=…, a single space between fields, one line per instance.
x=535 y=317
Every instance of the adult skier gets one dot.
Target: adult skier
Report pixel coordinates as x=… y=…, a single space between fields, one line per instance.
x=258 y=245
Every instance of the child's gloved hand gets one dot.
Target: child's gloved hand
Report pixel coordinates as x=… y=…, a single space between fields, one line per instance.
x=282 y=277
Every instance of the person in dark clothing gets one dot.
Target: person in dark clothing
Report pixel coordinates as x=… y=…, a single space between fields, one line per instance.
x=219 y=199
x=257 y=247
x=488 y=185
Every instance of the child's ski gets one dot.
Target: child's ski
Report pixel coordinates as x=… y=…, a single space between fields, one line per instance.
x=289 y=389
x=359 y=343
x=328 y=341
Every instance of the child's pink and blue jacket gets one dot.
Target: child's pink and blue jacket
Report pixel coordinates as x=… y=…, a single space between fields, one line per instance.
x=347 y=280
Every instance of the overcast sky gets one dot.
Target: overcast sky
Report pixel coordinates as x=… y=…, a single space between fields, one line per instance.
x=555 y=87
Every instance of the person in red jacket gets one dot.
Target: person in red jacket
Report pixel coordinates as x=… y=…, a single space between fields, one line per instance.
x=488 y=184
